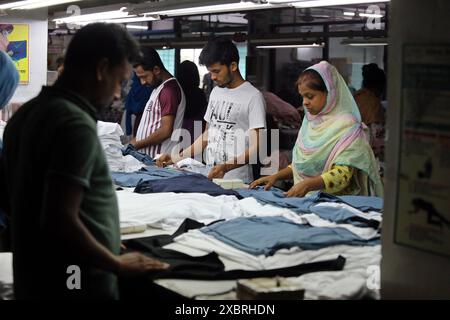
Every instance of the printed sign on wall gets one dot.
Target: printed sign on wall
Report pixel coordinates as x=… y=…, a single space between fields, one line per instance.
x=423 y=204
x=14 y=41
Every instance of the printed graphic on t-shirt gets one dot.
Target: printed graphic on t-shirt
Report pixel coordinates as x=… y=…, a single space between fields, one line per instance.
x=222 y=131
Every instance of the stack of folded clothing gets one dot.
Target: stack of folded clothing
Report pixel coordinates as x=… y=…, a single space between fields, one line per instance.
x=109 y=134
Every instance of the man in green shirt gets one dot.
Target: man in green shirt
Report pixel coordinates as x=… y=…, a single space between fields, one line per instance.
x=65 y=221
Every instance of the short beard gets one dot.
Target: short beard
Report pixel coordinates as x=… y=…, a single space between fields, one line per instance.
x=157 y=83
x=230 y=80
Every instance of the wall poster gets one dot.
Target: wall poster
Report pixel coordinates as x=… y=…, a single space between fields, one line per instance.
x=14 y=40
x=423 y=203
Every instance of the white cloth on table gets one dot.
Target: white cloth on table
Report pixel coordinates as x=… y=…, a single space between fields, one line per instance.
x=168 y=210
x=359 y=278
x=348 y=283
x=109 y=134
x=193 y=165
x=351 y=282
x=316 y=221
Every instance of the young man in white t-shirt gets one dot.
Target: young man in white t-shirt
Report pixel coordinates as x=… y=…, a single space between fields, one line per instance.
x=235 y=114
x=159 y=128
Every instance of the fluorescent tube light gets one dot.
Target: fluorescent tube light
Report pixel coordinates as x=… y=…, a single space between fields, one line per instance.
x=33 y=4
x=365 y=42
x=280 y=46
x=14 y=4
x=131 y=26
x=129 y=19
x=325 y=3
x=228 y=7
x=365 y=15
x=370 y=15
x=132 y=19
x=100 y=16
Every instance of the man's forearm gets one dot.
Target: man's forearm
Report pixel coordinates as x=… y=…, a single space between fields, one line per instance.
x=155 y=138
x=195 y=149
x=81 y=243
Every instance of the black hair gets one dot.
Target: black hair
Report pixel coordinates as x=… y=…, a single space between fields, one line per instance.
x=313 y=80
x=373 y=77
x=219 y=50
x=188 y=75
x=149 y=59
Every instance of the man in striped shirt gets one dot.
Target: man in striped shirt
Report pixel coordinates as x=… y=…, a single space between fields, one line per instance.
x=159 y=129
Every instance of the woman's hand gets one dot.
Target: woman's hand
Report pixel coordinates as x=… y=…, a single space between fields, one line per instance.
x=268 y=181
x=303 y=187
x=298 y=190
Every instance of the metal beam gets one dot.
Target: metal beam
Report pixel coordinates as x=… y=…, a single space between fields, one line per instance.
x=288 y=38
x=299 y=37
x=318 y=23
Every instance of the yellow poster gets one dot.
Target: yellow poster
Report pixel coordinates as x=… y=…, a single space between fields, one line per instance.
x=14 y=40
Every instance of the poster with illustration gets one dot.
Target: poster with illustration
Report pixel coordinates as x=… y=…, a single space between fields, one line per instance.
x=423 y=204
x=14 y=41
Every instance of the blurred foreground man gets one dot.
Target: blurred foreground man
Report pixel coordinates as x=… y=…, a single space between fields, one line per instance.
x=65 y=221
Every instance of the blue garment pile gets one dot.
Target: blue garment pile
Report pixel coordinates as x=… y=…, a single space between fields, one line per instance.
x=266 y=235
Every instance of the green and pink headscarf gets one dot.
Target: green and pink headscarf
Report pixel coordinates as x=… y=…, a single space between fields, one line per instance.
x=335 y=136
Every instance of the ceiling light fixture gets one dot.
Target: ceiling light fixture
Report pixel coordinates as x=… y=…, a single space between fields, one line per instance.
x=365 y=15
x=33 y=4
x=370 y=15
x=210 y=9
x=325 y=3
x=132 y=19
x=133 y=26
x=281 y=46
x=373 y=44
x=365 y=42
x=91 y=17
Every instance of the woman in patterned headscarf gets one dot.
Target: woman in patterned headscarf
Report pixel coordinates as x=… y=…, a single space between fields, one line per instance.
x=332 y=151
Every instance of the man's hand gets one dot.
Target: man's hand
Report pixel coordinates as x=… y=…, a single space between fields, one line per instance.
x=217 y=172
x=164 y=160
x=268 y=181
x=298 y=190
x=135 y=264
